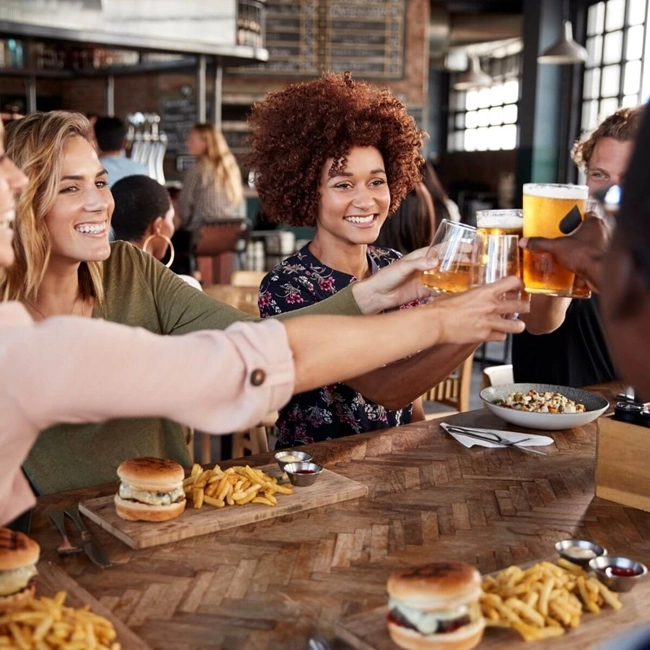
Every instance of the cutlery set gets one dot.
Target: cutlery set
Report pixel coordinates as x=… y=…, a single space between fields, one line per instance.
x=492 y=436
x=89 y=544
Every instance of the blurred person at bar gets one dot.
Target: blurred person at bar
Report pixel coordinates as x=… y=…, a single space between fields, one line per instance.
x=564 y=342
x=212 y=190
x=110 y=135
x=144 y=216
x=415 y=221
x=65 y=266
x=340 y=155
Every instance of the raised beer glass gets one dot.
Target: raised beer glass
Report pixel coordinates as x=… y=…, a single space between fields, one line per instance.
x=500 y=222
x=452 y=248
x=550 y=210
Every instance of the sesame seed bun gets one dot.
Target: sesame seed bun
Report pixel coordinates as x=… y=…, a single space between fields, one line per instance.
x=134 y=511
x=17 y=550
x=464 y=638
x=151 y=474
x=439 y=586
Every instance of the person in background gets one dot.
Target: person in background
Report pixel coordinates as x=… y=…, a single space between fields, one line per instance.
x=110 y=135
x=144 y=216
x=572 y=349
x=65 y=266
x=212 y=187
x=340 y=155
x=51 y=369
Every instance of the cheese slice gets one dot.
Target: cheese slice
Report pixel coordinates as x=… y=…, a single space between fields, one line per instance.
x=15 y=580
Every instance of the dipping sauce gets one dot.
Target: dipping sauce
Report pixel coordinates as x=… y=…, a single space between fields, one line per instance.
x=289 y=458
x=305 y=471
x=579 y=552
x=621 y=571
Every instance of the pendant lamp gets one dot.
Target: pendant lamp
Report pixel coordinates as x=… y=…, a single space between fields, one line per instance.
x=565 y=50
x=473 y=77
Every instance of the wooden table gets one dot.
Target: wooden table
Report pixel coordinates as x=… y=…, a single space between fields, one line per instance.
x=242 y=298
x=272 y=585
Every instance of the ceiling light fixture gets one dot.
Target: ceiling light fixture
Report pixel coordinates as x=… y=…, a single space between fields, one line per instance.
x=565 y=50
x=473 y=77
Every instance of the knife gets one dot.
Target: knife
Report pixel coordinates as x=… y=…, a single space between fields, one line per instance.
x=89 y=544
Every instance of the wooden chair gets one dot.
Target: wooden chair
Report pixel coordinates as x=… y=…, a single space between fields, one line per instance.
x=497 y=375
x=213 y=240
x=454 y=390
x=255 y=440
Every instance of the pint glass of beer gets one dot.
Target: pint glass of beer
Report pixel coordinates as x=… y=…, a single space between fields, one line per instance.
x=500 y=222
x=550 y=210
x=452 y=249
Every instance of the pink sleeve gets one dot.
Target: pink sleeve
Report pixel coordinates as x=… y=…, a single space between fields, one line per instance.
x=74 y=370
x=15 y=495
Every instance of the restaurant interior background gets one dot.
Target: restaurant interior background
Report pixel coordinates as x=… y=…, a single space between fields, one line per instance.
x=174 y=63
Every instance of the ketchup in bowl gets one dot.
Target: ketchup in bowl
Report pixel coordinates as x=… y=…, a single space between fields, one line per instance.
x=621 y=571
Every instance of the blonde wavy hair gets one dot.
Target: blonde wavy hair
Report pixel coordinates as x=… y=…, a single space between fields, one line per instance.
x=35 y=143
x=218 y=164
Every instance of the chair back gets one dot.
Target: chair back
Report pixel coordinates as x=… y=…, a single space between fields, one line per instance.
x=247 y=278
x=454 y=390
x=219 y=237
x=497 y=375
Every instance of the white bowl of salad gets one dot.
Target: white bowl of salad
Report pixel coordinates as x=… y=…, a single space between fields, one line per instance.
x=544 y=406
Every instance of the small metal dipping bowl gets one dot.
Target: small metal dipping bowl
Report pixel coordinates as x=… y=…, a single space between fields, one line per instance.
x=302 y=480
x=602 y=566
x=302 y=455
x=563 y=546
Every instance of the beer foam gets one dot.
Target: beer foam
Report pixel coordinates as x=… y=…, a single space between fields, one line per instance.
x=552 y=191
x=504 y=221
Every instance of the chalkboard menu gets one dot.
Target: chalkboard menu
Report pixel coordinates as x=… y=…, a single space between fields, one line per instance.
x=177 y=117
x=306 y=37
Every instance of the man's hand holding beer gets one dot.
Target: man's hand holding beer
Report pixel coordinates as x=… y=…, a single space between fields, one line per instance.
x=581 y=252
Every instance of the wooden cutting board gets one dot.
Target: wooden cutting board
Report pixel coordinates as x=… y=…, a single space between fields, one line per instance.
x=52 y=579
x=329 y=488
x=368 y=631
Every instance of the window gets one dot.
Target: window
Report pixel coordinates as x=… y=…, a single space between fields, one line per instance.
x=485 y=119
x=615 y=74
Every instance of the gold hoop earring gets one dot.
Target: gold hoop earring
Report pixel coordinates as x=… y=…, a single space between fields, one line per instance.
x=169 y=244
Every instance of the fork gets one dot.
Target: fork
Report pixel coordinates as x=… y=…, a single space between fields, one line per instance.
x=483 y=435
x=66 y=547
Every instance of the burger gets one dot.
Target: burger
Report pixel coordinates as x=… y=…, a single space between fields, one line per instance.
x=151 y=489
x=435 y=607
x=18 y=557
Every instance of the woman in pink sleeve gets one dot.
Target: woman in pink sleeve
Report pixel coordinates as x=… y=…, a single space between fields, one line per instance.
x=71 y=369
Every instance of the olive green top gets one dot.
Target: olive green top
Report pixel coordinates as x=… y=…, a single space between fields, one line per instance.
x=141 y=292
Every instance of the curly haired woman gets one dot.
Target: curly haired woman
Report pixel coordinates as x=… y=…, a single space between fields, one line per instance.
x=340 y=155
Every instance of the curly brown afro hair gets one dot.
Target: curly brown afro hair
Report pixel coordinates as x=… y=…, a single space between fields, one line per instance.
x=296 y=130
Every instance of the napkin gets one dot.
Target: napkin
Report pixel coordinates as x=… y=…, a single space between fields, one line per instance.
x=512 y=436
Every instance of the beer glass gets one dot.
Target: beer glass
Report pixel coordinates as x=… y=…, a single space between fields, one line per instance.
x=550 y=210
x=452 y=248
x=500 y=222
x=496 y=256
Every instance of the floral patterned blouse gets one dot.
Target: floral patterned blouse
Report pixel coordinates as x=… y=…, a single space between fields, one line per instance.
x=331 y=411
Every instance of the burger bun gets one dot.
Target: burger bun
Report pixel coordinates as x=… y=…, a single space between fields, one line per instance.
x=464 y=638
x=134 y=511
x=151 y=474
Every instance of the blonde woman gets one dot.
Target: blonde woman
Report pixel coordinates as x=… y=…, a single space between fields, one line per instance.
x=65 y=265
x=212 y=187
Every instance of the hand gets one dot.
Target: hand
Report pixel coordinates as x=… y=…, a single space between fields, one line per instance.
x=581 y=251
x=481 y=314
x=394 y=285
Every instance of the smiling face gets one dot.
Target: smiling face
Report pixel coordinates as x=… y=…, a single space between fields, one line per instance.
x=78 y=221
x=12 y=180
x=353 y=204
x=608 y=162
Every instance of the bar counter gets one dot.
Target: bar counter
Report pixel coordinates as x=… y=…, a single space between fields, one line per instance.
x=276 y=584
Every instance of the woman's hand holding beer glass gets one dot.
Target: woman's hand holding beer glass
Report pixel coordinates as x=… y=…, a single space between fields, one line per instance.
x=451 y=253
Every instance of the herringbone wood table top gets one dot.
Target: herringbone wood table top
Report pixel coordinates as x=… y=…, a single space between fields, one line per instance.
x=273 y=584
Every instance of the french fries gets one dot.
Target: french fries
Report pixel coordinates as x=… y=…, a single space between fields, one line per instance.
x=543 y=600
x=237 y=485
x=46 y=624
